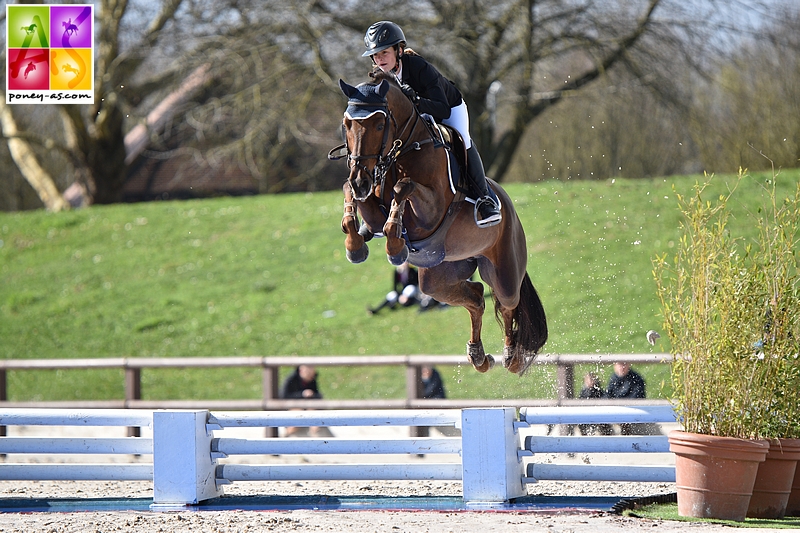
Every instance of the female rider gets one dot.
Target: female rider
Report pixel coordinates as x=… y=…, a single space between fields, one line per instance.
x=433 y=94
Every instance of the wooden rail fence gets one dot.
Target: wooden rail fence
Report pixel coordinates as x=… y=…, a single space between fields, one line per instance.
x=271 y=365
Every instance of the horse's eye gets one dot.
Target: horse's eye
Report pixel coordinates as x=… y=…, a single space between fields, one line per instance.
x=380 y=127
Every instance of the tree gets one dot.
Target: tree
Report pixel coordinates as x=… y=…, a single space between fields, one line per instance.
x=236 y=83
x=93 y=137
x=753 y=101
x=515 y=60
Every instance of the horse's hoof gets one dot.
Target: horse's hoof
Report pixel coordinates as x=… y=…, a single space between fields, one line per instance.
x=400 y=258
x=518 y=363
x=508 y=356
x=359 y=256
x=487 y=365
x=476 y=354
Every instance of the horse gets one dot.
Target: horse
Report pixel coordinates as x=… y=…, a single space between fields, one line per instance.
x=400 y=186
x=69 y=27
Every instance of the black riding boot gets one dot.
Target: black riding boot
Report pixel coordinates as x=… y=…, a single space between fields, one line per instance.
x=487 y=212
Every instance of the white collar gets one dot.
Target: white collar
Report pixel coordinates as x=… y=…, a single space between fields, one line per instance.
x=399 y=72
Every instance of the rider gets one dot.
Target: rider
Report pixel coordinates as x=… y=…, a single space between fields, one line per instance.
x=435 y=95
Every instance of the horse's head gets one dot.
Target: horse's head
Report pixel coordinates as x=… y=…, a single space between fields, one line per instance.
x=370 y=125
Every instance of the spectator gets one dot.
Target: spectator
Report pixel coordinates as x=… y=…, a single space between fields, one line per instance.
x=625 y=383
x=432 y=385
x=405 y=289
x=593 y=390
x=628 y=384
x=302 y=384
x=433 y=388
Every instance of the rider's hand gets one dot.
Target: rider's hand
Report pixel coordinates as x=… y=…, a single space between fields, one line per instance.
x=411 y=93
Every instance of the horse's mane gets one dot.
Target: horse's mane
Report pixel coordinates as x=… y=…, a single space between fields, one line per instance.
x=379 y=75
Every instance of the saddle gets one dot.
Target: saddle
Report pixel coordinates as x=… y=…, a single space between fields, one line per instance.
x=430 y=251
x=457 y=148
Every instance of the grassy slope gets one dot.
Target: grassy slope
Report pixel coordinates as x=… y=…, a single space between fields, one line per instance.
x=267 y=276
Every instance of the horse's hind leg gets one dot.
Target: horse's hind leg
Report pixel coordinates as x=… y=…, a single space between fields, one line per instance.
x=449 y=283
x=524 y=326
x=509 y=284
x=515 y=359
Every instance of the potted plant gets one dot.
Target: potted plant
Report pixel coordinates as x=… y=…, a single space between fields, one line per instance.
x=775 y=281
x=717 y=310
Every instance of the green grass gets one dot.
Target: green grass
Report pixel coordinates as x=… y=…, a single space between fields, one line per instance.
x=267 y=275
x=669 y=511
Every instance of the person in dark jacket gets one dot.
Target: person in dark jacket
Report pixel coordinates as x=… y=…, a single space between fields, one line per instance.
x=628 y=384
x=593 y=390
x=432 y=385
x=302 y=384
x=432 y=389
x=435 y=95
x=405 y=289
x=625 y=383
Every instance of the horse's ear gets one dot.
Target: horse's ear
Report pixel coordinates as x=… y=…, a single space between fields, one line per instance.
x=383 y=88
x=348 y=90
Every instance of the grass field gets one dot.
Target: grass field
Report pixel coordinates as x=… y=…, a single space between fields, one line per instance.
x=669 y=511
x=267 y=275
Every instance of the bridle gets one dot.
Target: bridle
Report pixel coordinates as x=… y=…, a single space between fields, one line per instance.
x=385 y=159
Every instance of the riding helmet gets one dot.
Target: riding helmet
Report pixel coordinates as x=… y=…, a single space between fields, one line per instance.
x=381 y=36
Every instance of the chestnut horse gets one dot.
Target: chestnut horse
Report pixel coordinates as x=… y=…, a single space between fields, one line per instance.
x=399 y=183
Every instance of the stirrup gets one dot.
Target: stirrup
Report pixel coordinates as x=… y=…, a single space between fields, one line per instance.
x=493 y=219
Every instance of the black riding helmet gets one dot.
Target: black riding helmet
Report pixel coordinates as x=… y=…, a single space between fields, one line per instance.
x=382 y=35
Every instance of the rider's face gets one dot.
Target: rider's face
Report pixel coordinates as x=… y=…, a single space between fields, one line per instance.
x=386 y=59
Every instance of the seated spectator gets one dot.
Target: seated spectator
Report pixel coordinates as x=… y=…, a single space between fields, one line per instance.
x=433 y=388
x=432 y=385
x=593 y=390
x=626 y=383
x=302 y=384
x=405 y=291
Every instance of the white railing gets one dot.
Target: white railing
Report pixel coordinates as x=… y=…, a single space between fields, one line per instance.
x=594 y=415
x=189 y=449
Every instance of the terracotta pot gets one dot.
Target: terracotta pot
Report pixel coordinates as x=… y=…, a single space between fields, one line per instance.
x=715 y=475
x=793 y=506
x=774 y=480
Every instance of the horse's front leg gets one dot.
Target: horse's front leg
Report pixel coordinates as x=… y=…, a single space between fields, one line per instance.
x=396 y=248
x=356 y=247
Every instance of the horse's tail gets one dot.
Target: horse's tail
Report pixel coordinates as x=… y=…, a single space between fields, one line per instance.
x=529 y=323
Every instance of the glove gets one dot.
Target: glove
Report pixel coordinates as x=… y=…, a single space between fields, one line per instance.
x=409 y=92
